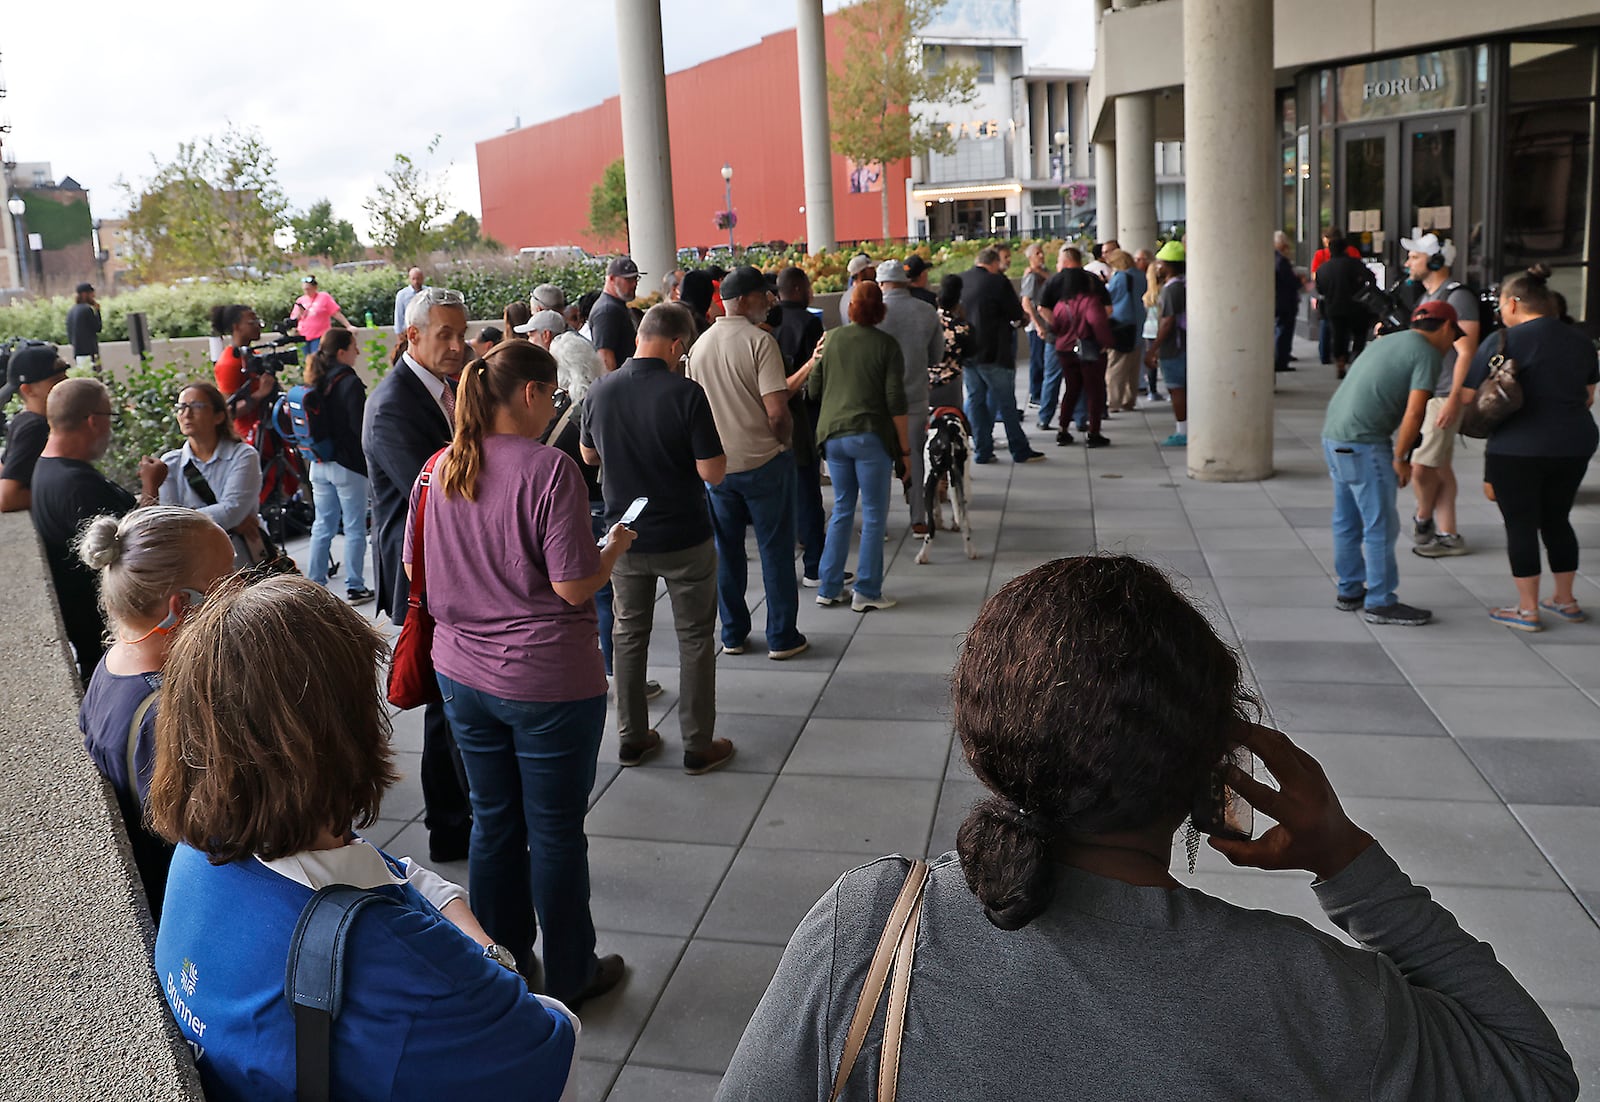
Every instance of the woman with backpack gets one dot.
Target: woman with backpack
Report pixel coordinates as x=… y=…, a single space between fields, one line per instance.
x=339 y=482
x=154 y=565
x=215 y=472
x=1082 y=327
x=1535 y=459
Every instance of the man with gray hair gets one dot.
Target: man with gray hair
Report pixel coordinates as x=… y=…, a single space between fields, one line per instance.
x=917 y=327
x=655 y=432
x=403 y=297
x=994 y=312
x=577 y=363
x=411 y=415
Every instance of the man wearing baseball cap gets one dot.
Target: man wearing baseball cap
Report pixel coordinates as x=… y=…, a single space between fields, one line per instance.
x=1433 y=478
x=859 y=268
x=610 y=321
x=34 y=369
x=917 y=272
x=1387 y=388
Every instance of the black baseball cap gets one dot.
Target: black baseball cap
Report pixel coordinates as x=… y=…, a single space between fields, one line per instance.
x=743 y=280
x=32 y=363
x=85 y=288
x=916 y=265
x=622 y=267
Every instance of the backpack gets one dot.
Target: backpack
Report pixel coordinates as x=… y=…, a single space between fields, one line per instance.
x=302 y=418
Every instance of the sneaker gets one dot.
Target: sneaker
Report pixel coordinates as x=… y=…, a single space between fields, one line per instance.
x=737 y=648
x=1033 y=403
x=813 y=583
x=1397 y=614
x=1064 y=439
x=829 y=602
x=1350 y=604
x=1044 y=426
x=1442 y=546
x=1176 y=440
x=1033 y=457
x=862 y=603
x=1422 y=531
x=652 y=689
x=718 y=754
x=607 y=975
x=789 y=652
x=1520 y=618
x=1156 y=398
x=629 y=758
x=983 y=460
x=359 y=596
x=1095 y=440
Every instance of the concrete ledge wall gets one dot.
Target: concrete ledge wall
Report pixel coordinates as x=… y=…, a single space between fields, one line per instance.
x=83 y=1015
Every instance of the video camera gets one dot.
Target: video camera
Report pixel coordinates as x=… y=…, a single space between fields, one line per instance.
x=1390 y=308
x=265 y=358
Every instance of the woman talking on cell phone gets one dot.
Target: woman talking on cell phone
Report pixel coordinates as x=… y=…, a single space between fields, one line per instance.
x=517 y=653
x=1057 y=956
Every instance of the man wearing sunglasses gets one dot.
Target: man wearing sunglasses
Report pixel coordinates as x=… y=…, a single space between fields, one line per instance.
x=411 y=415
x=67 y=491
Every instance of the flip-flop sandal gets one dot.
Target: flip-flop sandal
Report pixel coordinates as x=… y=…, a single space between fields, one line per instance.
x=1520 y=618
x=1570 y=612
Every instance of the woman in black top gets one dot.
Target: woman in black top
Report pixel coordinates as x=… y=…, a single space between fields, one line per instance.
x=1535 y=460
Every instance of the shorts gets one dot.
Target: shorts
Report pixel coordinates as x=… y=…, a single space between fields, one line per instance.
x=1438 y=445
x=1175 y=373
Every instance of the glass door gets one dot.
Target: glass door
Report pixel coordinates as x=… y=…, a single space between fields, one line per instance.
x=1369 y=193
x=1434 y=176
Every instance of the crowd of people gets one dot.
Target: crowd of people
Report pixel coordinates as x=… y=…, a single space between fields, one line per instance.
x=543 y=477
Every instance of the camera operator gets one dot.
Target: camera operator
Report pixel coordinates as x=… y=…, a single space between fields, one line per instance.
x=247 y=387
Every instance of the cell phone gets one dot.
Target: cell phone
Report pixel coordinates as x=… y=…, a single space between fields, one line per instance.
x=1220 y=811
x=630 y=515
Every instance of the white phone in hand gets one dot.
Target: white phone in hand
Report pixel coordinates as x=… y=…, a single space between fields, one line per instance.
x=630 y=515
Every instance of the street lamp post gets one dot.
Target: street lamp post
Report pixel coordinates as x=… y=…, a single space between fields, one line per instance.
x=18 y=208
x=727 y=200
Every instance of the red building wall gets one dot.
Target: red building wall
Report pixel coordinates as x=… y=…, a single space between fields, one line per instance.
x=742 y=108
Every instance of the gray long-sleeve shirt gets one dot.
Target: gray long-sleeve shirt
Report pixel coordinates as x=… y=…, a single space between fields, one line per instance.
x=1124 y=992
x=916 y=326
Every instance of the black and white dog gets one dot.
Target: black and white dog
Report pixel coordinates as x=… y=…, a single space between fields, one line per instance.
x=946 y=455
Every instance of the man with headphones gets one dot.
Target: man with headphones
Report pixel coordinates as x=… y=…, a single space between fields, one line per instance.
x=1433 y=480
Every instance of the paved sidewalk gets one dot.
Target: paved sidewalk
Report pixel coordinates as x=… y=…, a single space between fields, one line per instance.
x=1470 y=750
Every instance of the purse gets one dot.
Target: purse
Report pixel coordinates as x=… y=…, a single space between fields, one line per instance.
x=412 y=682
x=265 y=556
x=1499 y=396
x=897 y=947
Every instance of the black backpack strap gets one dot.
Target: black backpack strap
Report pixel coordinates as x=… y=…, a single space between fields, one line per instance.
x=314 y=981
x=197 y=482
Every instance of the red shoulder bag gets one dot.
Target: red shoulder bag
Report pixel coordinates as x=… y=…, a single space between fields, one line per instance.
x=412 y=682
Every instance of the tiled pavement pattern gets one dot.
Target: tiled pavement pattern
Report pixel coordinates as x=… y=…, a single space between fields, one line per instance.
x=1472 y=751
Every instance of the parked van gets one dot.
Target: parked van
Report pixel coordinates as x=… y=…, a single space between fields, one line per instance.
x=554 y=255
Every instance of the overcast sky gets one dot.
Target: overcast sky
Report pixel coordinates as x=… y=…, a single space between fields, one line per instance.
x=337 y=88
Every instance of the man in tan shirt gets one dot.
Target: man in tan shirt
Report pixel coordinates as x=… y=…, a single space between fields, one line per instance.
x=741 y=368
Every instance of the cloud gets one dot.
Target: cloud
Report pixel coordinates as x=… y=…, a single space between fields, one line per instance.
x=335 y=88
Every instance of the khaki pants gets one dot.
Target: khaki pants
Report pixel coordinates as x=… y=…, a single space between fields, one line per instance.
x=691 y=577
x=1122 y=379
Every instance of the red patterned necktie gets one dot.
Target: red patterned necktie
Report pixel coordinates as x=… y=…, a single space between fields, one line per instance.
x=449 y=400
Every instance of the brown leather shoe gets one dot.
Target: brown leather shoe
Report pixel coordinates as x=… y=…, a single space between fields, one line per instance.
x=606 y=976
x=652 y=746
x=718 y=754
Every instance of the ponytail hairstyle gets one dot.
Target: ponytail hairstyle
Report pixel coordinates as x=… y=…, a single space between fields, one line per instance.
x=515 y=314
x=1090 y=697
x=225 y=318
x=326 y=357
x=142 y=559
x=487 y=385
x=1531 y=287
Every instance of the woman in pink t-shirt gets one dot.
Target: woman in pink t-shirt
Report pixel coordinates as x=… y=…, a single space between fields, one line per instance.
x=512 y=574
x=315 y=311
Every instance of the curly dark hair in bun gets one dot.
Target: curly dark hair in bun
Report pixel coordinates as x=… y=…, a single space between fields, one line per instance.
x=1531 y=287
x=1090 y=697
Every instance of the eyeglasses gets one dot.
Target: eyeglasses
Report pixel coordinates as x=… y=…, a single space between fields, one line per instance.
x=102 y=413
x=190 y=407
x=557 y=394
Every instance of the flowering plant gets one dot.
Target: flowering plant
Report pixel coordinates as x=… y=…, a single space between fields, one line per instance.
x=726 y=219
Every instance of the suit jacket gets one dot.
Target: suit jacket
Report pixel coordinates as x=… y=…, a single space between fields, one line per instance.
x=402 y=427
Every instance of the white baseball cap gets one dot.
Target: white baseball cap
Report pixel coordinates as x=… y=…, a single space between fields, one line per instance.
x=1429 y=245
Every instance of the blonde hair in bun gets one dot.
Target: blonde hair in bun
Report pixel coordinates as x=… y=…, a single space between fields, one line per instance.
x=141 y=558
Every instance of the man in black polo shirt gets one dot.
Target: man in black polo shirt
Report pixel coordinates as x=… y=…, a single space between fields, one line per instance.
x=67 y=491
x=34 y=370
x=610 y=320
x=653 y=431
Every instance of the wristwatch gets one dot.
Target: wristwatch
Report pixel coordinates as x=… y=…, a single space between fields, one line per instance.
x=501 y=956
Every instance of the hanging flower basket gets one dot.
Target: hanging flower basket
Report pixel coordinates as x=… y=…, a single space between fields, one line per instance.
x=726 y=219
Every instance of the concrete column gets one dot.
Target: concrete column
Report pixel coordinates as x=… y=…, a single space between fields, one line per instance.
x=652 y=228
x=1136 y=172
x=1076 y=113
x=814 y=131
x=10 y=247
x=1229 y=129
x=1039 y=129
x=1105 y=189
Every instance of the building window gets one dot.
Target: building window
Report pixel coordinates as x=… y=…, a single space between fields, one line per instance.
x=985 y=57
x=933 y=59
x=1550 y=70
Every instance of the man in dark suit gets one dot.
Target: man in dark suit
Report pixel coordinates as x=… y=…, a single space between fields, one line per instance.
x=409 y=417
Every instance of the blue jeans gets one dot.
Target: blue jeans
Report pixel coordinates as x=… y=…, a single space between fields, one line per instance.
x=992 y=389
x=531 y=767
x=810 y=522
x=602 y=597
x=762 y=498
x=1051 y=390
x=338 y=493
x=312 y=346
x=1366 y=521
x=1036 y=346
x=857 y=464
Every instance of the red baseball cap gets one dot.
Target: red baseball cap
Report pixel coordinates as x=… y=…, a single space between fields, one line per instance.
x=1440 y=312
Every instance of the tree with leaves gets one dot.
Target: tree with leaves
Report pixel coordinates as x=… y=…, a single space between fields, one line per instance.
x=214 y=209
x=318 y=233
x=463 y=236
x=608 y=206
x=402 y=210
x=882 y=100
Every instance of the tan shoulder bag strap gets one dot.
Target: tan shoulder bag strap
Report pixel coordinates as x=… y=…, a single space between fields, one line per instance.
x=895 y=1020
x=905 y=905
x=133 y=742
